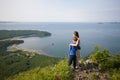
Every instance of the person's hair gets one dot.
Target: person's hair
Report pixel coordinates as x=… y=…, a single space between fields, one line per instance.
x=76 y=34
x=74 y=38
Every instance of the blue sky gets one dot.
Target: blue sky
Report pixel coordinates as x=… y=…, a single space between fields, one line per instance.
x=60 y=10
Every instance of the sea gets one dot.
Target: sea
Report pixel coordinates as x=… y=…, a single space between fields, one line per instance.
x=105 y=35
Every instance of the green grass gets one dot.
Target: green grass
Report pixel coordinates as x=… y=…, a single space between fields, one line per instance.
x=15 y=63
x=59 y=71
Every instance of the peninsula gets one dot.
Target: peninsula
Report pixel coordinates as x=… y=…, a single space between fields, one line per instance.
x=5 y=34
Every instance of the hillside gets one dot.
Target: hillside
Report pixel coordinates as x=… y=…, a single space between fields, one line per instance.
x=107 y=69
x=56 y=72
x=23 y=65
x=21 y=61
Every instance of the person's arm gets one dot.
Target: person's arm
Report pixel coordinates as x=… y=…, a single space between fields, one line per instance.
x=77 y=42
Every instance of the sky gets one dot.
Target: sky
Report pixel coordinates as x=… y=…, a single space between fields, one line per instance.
x=60 y=10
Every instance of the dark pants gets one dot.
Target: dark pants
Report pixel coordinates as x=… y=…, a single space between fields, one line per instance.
x=72 y=58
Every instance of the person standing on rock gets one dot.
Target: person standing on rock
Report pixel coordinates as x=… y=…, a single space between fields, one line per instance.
x=77 y=44
x=72 y=53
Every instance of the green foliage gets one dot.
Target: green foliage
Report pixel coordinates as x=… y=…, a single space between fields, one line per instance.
x=96 y=48
x=5 y=34
x=58 y=72
x=115 y=74
x=112 y=62
x=18 y=62
x=107 y=62
x=99 y=56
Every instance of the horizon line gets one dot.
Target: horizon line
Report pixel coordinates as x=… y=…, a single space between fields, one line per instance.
x=64 y=21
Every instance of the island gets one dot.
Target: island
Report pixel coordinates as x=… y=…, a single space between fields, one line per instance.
x=5 y=34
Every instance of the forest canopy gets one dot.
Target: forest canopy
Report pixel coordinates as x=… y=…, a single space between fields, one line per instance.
x=5 y=34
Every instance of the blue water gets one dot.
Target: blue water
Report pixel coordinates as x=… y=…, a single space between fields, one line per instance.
x=105 y=35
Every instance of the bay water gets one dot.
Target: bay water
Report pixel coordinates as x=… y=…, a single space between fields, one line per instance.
x=106 y=35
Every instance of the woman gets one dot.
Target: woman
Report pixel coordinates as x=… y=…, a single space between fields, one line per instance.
x=76 y=34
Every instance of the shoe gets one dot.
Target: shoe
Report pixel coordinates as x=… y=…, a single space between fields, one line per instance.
x=76 y=67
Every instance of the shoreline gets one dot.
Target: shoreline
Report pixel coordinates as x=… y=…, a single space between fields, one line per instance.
x=14 y=38
x=15 y=47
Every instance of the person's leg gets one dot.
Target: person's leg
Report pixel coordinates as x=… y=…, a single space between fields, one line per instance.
x=77 y=57
x=70 y=60
x=74 y=61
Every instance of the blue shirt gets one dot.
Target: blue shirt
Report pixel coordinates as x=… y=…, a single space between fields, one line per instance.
x=72 y=50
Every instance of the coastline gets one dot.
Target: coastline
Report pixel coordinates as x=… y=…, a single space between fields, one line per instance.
x=14 y=38
x=15 y=47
